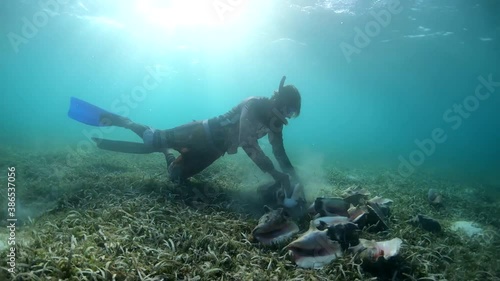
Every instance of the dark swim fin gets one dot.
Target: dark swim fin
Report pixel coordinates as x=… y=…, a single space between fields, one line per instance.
x=124 y=146
x=90 y=114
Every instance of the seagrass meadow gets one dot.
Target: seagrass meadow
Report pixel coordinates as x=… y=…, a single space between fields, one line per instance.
x=117 y=217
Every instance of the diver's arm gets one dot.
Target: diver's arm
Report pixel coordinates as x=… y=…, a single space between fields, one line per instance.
x=296 y=196
x=276 y=141
x=249 y=143
x=265 y=164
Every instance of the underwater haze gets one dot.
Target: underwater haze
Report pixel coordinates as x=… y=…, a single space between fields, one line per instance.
x=412 y=86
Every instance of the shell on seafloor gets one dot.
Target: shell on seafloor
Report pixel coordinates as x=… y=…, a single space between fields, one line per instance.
x=381 y=201
x=271 y=193
x=376 y=216
x=298 y=192
x=426 y=223
x=355 y=195
x=332 y=206
x=370 y=250
x=347 y=234
x=274 y=227
x=324 y=222
x=297 y=196
x=358 y=215
x=314 y=249
x=434 y=197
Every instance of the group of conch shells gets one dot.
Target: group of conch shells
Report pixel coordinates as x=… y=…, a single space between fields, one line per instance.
x=334 y=229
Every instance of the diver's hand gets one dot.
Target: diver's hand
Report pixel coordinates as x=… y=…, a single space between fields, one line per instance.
x=299 y=194
x=296 y=198
x=284 y=181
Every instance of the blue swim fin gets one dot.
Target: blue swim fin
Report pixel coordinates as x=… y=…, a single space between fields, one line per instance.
x=89 y=114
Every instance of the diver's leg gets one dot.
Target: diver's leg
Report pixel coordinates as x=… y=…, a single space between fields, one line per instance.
x=112 y=119
x=169 y=156
x=191 y=163
x=173 y=170
x=196 y=153
x=146 y=133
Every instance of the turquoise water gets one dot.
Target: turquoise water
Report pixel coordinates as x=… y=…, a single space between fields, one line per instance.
x=376 y=77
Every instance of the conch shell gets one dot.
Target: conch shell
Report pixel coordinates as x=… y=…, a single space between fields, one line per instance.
x=371 y=250
x=314 y=249
x=274 y=227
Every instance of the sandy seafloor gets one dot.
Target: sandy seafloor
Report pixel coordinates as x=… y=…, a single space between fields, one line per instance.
x=113 y=216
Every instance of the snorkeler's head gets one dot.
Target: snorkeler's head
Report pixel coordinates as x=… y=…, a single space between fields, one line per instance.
x=287 y=100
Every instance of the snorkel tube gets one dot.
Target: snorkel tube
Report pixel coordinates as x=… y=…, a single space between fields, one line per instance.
x=282 y=82
x=276 y=112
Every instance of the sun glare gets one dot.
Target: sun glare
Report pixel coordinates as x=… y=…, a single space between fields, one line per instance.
x=178 y=13
x=198 y=22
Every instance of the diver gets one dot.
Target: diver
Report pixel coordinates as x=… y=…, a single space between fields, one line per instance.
x=200 y=143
